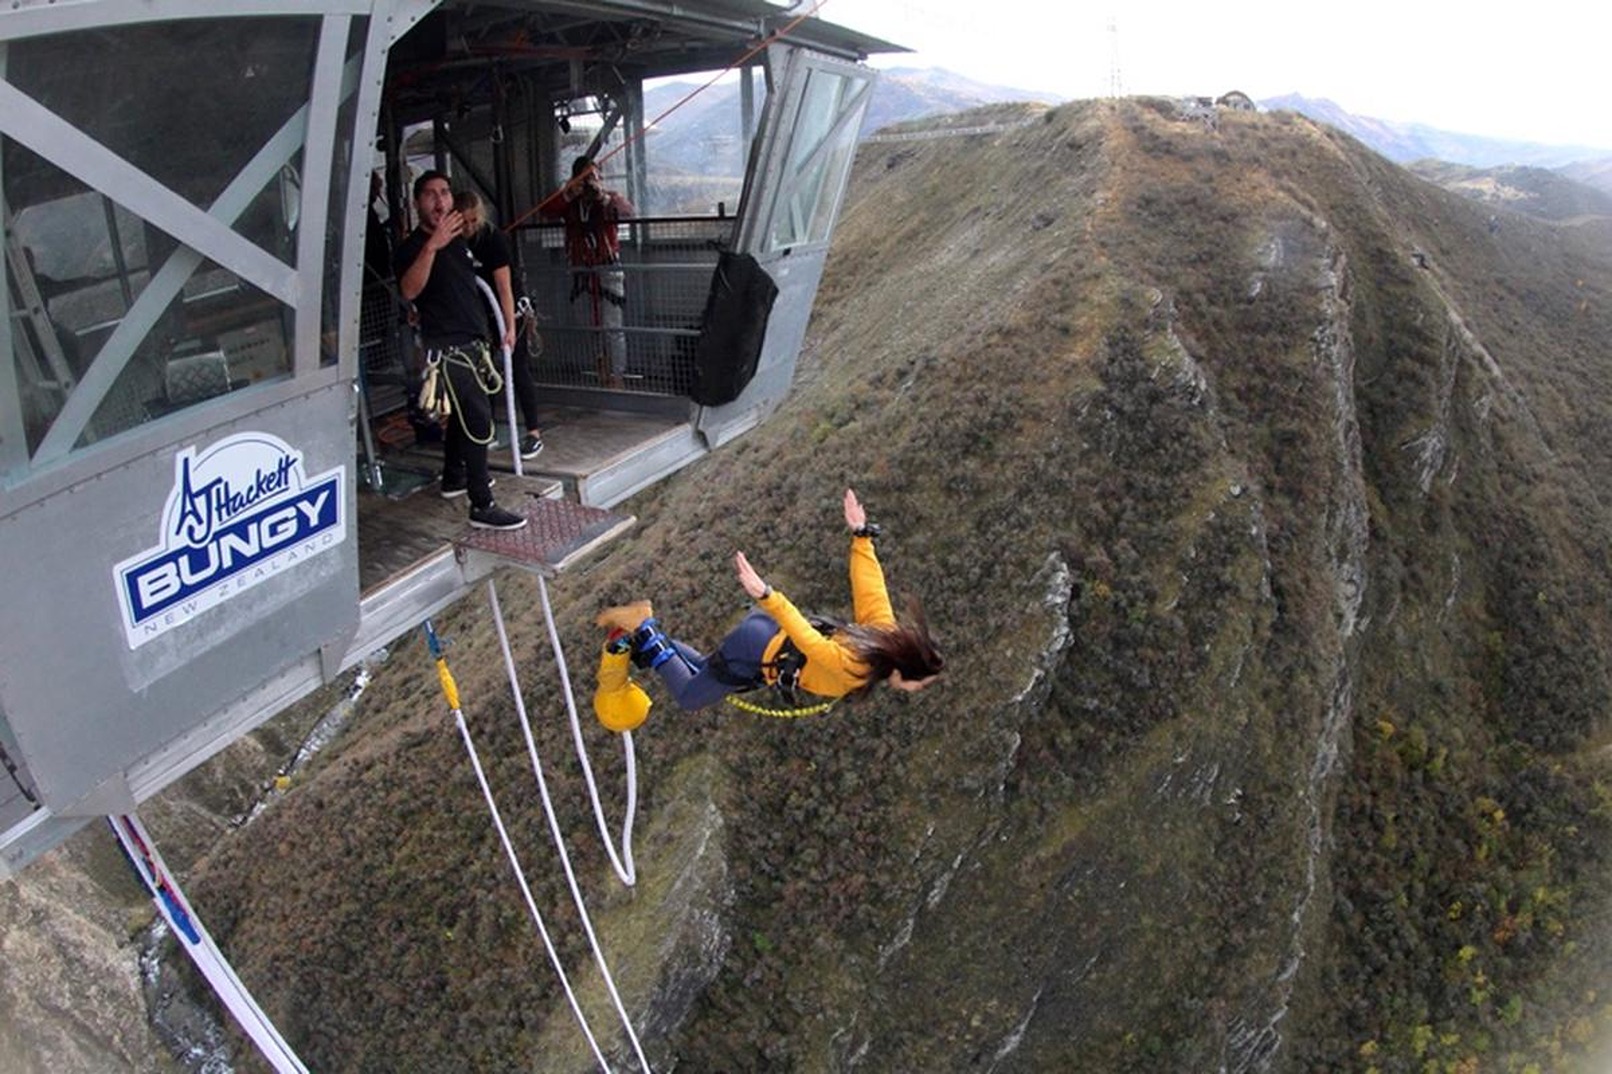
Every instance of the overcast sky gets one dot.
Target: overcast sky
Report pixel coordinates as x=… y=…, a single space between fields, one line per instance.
x=1540 y=72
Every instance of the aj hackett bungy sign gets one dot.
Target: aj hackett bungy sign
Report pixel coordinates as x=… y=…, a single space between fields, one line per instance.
x=241 y=512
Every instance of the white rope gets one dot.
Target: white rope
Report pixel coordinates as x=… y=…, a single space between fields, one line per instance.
x=623 y=864
x=526 y=891
x=548 y=803
x=200 y=946
x=509 y=374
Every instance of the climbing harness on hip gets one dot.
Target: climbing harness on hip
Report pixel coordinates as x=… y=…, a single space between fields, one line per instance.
x=435 y=401
x=526 y=316
x=443 y=400
x=785 y=668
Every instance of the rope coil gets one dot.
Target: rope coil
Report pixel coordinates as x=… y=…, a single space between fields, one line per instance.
x=797 y=712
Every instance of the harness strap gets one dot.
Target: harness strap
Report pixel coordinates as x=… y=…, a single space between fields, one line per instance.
x=786 y=667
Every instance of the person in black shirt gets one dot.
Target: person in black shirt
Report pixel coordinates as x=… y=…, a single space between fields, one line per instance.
x=435 y=272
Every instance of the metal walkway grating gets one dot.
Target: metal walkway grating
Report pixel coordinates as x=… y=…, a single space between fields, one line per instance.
x=558 y=532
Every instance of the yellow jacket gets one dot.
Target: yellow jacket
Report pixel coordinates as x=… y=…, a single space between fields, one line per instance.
x=832 y=669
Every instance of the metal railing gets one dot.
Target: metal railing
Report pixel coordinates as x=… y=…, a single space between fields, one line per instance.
x=666 y=268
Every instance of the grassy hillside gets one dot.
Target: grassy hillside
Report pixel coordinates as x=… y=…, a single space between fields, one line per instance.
x=1536 y=191
x=1271 y=564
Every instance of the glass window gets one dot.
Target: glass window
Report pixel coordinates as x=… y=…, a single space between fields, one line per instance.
x=104 y=305
x=699 y=146
x=187 y=102
x=820 y=151
x=80 y=264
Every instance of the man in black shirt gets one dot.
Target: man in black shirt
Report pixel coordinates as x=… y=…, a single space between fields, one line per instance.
x=436 y=273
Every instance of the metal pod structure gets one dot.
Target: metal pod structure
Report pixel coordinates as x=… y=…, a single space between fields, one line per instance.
x=204 y=451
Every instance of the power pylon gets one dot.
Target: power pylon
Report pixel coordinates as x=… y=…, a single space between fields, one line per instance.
x=1116 y=83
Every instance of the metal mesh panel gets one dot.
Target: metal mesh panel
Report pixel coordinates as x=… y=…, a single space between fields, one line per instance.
x=380 y=350
x=666 y=272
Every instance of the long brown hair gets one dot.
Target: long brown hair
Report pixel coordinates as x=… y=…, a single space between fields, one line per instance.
x=906 y=647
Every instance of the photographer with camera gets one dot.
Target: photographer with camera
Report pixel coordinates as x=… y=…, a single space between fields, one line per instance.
x=591 y=212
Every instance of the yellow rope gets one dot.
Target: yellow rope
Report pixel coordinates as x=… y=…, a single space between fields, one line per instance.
x=761 y=710
x=487 y=377
x=450 y=689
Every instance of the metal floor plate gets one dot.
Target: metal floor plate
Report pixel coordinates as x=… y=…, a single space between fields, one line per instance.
x=558 y=532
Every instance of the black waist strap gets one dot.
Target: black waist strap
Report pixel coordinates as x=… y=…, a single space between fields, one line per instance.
x=723 y=673
x=785 y=668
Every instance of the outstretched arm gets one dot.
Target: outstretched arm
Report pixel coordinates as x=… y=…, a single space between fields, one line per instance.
x=818 y=649
x=870 y=600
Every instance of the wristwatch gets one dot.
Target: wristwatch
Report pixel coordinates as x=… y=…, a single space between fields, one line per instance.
x=867 y=529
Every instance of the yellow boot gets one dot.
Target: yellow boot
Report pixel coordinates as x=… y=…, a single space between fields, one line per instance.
x=625 y=617
x=620 y=703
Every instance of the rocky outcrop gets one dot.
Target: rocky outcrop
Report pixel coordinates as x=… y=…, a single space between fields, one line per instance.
x=71 y=1000
x=665 y=938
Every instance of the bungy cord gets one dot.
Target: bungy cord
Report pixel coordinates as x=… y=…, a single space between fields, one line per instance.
x=187 y=928
x=450 y=691
x=548 y=804
x=623 y=864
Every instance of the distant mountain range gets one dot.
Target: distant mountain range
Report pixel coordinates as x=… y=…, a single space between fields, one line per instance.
x=1403 y=142
x=907 y=93
x=1541 y=192
x=702 y=141
x=1496 y=170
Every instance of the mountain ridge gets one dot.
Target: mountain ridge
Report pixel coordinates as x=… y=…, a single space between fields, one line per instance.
x=1266 y=560
x=697 y=143
x=1257 y=492
x=1405 y=142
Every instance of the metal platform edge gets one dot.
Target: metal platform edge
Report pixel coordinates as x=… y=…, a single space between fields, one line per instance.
x=646 y=464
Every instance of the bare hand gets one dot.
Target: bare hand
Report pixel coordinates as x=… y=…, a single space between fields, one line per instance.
x=855 y=516
x=753 y=585
x=447 y=230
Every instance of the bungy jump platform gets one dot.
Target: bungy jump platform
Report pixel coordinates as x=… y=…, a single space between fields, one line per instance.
x=558 y=533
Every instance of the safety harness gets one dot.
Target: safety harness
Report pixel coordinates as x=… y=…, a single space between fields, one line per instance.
x=784 y=670
x=438 y=400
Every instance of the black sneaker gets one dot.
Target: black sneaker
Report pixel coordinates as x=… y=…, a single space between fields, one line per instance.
x=531 y=445
x=453 y=488
x=493 y=517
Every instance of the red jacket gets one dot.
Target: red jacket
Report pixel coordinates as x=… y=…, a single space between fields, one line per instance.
x=590 y=223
